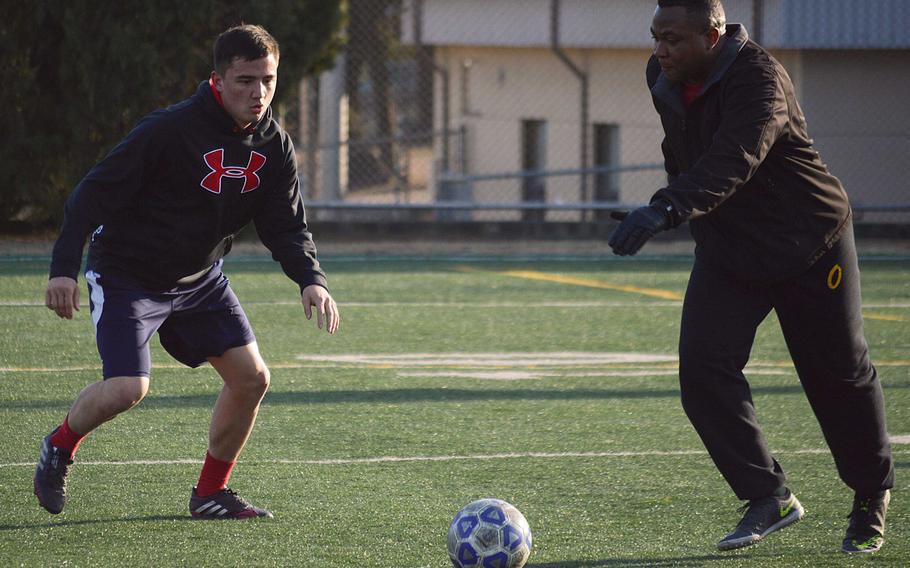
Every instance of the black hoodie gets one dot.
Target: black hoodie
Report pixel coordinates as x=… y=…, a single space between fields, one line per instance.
x=168 y=200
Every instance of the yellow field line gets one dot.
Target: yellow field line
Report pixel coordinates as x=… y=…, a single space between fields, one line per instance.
x=882 y=317
x=587 y=282
x=653 y=292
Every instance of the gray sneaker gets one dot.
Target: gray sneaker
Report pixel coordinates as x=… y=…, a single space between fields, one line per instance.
x=763 y=517
x=866 y=532
x=50 y=475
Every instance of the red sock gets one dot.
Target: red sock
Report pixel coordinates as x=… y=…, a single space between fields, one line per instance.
x=214 y=476
x=66 y=438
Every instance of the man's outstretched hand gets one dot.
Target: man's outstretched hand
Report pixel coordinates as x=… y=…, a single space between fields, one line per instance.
x=637 y=227
x=315 y=296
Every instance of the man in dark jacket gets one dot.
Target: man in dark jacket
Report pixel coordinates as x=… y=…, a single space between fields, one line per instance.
x=163 y=208
x=773 y=230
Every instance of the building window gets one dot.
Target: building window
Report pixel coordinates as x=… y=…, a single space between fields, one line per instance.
x=606 y=155
x=533 y=159
x=466 y=65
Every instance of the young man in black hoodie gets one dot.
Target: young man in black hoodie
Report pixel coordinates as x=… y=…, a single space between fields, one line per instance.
x=162 y=209
x=773 y=230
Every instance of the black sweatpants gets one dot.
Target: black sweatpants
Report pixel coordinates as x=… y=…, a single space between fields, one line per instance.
x=819 y=314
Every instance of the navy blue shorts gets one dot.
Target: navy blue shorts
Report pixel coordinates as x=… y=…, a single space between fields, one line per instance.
x=194 y=321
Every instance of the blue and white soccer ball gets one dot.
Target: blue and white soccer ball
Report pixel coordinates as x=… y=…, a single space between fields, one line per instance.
x=489 y=533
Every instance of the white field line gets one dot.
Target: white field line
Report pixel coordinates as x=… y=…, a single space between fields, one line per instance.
x=461 y=360
x=523 y=305
x=529 y=375
x=560 y=364
x=544 y=304
x=412 y=459
x=480 y=258
x=512 y=359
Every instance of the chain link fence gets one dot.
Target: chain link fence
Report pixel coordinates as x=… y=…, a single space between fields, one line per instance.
x=537 y=110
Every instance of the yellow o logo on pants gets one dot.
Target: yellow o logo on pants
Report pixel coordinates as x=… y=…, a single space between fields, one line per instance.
x=835 y=275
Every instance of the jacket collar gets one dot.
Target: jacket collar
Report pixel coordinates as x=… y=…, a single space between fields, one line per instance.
x=670 y=93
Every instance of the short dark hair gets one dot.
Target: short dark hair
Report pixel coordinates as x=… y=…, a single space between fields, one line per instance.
x=244 y=42
x=706 y=13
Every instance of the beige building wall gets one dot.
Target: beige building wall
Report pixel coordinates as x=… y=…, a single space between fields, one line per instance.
x=494 y=89
x=857 y=104
x=584 y=24
x=860 y=130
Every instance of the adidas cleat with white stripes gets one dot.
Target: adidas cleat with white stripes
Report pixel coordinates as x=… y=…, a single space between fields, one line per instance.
x=224 y=505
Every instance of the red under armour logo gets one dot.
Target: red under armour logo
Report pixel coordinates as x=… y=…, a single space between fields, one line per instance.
x=215 y=161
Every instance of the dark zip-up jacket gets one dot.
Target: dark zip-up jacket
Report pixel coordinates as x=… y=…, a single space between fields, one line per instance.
x=741 y=168
x=167 y=201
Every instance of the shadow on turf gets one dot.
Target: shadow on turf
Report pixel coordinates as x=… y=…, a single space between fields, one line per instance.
x=398 y=395
x=389 y=396
x=685 y=561
x=66 y=523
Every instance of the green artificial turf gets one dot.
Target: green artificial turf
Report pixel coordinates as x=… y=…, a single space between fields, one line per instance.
x=449 y=381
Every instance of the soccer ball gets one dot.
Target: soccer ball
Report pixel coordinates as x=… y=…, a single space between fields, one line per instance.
x=489 y=533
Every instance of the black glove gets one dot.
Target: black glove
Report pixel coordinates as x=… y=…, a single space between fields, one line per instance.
x=638 y=226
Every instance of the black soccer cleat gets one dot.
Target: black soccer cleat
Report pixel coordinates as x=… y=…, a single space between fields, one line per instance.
x=866 y=532
x=763 y=517
x=50 y=475
x=224 y=505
